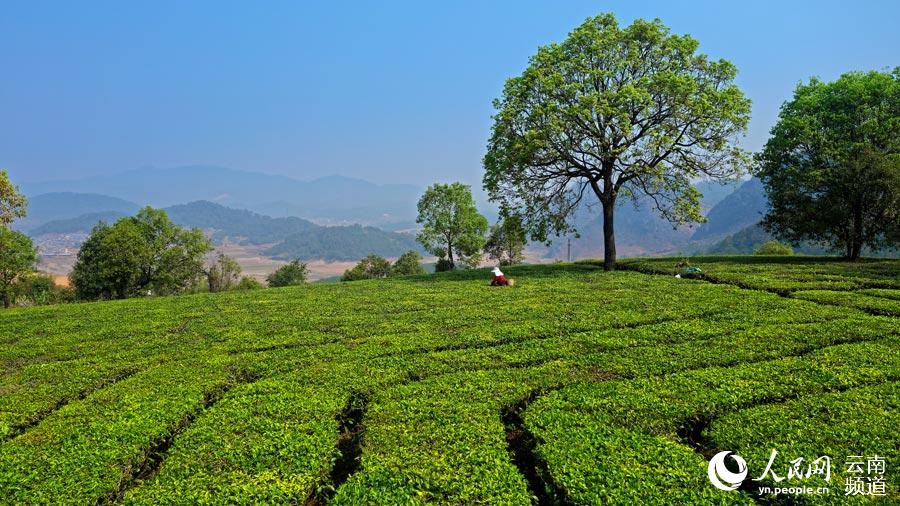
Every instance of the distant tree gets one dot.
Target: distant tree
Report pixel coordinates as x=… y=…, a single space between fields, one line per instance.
x=774 y=248
x=831 y=168
x=248 y=283
x=12 y=203
x=506 y=241
x=452 y=227
x=223 y=274
x=409 y=264
x=617 y=112
x=371 y=267
x=293 y=273
x=137 y=255
x=17 y=258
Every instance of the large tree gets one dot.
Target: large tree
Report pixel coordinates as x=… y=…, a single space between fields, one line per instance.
x=613 y=112
x=452 y=227
x=12 y=203
x=17 y=258
x=141 y=254
x=831 y=168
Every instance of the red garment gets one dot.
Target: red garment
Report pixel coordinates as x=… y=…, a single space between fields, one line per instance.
x=500 y=281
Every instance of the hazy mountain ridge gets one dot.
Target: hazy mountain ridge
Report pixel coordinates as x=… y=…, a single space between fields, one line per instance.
x=331 y=198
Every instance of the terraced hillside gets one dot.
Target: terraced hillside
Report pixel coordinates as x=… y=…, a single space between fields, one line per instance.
x=574 y=387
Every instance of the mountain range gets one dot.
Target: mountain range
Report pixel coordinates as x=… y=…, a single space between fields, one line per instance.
x=287 y=214
x=327 y=200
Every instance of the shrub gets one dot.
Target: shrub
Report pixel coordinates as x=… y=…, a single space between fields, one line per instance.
x=443 y=265
x=248 y=283
x=293 y=273
x=774 y=248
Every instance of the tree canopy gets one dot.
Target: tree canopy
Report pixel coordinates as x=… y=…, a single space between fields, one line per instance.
x=12 y=203
x=409 y=264
x=370 y=267
x=292 y=273
x=223 y=274
x=17 y=258
x=831 y=168
x=137 y=255
x=452 y=227
x=613 y=112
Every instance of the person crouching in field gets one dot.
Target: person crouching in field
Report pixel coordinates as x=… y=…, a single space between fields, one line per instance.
x=500 y=279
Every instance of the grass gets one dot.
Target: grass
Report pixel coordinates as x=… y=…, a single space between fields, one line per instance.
x=576 y=386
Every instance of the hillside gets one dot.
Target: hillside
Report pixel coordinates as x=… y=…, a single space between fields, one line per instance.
x=579 y=384
x=738 y=210
x=292 y=237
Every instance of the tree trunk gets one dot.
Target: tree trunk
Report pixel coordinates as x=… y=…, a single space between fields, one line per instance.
x=6 y=299
x=609 y=237
x=450 y=255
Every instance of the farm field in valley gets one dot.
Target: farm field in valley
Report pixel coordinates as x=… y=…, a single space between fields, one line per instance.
x=576 y=386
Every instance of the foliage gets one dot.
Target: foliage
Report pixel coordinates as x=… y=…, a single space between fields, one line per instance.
x=248 y=283
x=223 y=274
x=774 y=248
x=408 y=264
x=138 y=255
x=613 y=112
x=452 y=227
x=17 y=258
x=40 y=289
x=294 y=272
x=13 y=203
x=506 y=241
x=371 y=267
x=245 y=396
x=443 y=265
x=832 y=166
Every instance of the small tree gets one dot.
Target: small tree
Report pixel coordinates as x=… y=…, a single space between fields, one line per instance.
x=17 y=258
x=290 y=274
x=774 y=248
x=223 y=274
x=613 y=112
x=452 y=227
x=831 y=168
x=12 y=203
x=409 y=264
x=371 y=267
x=141 y=254
x=506 y=241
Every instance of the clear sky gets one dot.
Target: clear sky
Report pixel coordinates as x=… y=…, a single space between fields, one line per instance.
x=386 y=91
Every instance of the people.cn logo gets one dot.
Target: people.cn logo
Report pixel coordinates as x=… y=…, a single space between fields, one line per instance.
x=721 y=477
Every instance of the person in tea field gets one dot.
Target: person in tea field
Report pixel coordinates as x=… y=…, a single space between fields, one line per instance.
x=500 y=279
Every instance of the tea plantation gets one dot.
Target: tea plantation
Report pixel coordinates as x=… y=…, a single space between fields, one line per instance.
x=576 y=386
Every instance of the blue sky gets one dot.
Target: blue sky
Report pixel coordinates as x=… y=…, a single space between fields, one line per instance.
x=385 y=91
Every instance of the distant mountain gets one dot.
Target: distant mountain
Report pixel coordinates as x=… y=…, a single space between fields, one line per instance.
x=733 y=213
x=82 y=223
x=329 y=199
x=292 y=237
x=237 y=223
x=65 y=205
x=344 y=243
x=639 y=228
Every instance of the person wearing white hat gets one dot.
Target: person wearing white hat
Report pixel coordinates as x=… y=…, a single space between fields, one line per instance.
x=499 y=278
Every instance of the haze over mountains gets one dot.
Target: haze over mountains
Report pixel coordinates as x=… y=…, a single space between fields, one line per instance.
x=287 y=215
